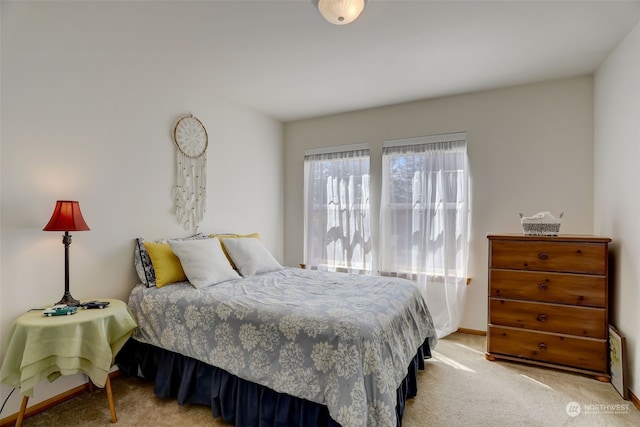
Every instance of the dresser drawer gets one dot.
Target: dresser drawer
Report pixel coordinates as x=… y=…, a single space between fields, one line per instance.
x=583 y=353
x=570 y=320
x=568 y=257
x=583 y=290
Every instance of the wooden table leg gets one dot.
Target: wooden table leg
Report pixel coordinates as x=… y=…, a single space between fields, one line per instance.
x=23 y=408
x=112 y=406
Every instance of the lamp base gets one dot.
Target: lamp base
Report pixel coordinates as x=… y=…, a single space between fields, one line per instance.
x=69 y=300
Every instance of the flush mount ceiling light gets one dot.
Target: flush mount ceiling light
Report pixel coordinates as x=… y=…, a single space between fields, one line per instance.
x=340 y=12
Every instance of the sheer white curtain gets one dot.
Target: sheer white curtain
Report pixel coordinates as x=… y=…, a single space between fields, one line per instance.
x=425 y=219
x=337 y=218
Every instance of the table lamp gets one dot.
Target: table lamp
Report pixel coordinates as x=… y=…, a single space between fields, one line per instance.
x=67 y=217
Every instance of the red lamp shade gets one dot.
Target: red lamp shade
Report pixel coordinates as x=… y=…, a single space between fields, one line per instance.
x=66 y=217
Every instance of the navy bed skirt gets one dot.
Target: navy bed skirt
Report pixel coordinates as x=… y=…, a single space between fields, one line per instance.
x=239 y=401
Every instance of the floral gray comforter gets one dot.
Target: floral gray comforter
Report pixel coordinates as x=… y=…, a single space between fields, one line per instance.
x=341 y=340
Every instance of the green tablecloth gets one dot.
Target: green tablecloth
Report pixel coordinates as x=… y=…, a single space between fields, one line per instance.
x=39 y=347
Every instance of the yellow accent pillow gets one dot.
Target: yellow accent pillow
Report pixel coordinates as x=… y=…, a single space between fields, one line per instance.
x=165 y=263
x=233 y=236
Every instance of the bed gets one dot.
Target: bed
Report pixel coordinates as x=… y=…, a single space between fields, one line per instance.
x=285 y=346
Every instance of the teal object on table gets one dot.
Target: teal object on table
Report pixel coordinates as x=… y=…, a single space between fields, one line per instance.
x=39 y=347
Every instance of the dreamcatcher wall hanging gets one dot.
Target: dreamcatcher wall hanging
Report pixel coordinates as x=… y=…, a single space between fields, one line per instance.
x=190 y=193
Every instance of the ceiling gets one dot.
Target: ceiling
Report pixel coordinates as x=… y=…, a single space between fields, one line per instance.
x=283 y=59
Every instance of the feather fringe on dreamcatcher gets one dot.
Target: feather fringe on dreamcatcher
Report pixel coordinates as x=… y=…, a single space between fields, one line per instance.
x=190 y=193
x=191 y=190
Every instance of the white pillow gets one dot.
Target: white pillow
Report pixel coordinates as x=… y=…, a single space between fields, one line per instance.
x=203 y=261
x=250 y=256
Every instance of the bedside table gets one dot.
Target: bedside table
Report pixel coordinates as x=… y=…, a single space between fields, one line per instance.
x=39 y=347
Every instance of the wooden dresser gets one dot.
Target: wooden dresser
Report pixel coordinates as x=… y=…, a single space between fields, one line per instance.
x=548 y=302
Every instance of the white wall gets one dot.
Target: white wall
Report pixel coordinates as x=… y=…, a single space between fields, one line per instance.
x=616 y=178
x=88 y=110
x=530 y=149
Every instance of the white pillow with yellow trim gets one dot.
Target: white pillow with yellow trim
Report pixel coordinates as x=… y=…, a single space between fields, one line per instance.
x=234 y=236
x=250 y=256
x=203 y=262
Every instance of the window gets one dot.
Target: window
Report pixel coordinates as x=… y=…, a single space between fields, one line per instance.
x=425 y=213
x=424 y=217
x=337 y=214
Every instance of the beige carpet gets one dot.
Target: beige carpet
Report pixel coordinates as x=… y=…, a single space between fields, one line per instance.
x=458 y=388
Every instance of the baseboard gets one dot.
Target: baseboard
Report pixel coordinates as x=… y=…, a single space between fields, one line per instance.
x=472 y=331
x=53 y=401
x=634 y=399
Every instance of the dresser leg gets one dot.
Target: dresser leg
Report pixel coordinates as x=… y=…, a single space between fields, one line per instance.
x=23 y=409
x=489 y=357
x=112 y=406
x=602 y=378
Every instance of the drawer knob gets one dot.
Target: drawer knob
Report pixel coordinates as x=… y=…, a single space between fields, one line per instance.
x=543 y=256
x=542 y=346
x=543 y=286
x=542 y=318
